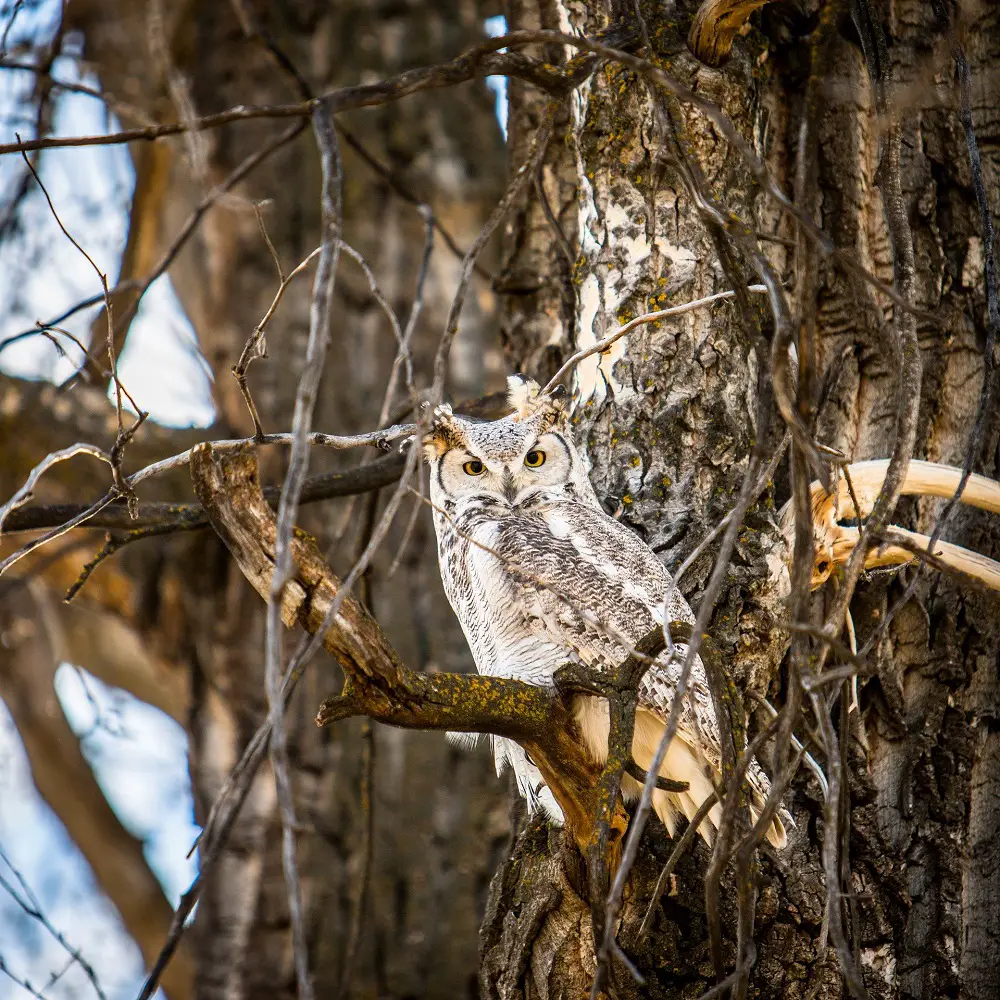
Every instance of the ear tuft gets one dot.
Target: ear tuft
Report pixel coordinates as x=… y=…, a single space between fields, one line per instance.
x=526 y=399
x=522 y=396
x=445 y=433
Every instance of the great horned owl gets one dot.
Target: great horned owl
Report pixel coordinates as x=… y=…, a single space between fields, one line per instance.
x=524 y=546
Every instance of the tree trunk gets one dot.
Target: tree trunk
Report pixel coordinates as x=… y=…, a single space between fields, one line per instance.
x=668 y=416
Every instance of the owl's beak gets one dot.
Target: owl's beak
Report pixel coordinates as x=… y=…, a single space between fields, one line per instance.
x=509 y=487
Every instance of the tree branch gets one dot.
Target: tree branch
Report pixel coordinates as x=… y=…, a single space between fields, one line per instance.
x=482 y=60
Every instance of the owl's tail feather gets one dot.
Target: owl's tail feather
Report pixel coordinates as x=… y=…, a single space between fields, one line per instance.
x=684 y=762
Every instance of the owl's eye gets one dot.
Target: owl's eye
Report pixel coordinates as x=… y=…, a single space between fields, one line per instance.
x=534 y=459
x=474 y=468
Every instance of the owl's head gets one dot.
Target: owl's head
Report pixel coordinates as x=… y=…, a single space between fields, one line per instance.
x=525 y=457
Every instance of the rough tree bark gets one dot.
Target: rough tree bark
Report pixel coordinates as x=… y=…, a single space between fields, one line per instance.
x=669 y=420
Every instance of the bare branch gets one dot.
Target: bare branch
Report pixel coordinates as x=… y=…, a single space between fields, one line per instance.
x=482 y=60
x=117 y=453
x=57 y=532
x=256 y=346
x=25 y=493
x=298 y=464
x=602 y=345
x=30 y=904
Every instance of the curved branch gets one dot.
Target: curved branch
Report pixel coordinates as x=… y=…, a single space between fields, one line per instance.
x=715 y=26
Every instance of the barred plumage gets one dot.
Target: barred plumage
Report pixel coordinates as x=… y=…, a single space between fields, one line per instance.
x=539 y=575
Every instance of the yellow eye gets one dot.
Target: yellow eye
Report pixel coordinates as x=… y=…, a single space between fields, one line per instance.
x=534 y=459
x=474 y=468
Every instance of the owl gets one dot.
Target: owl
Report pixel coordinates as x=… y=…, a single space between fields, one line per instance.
x=524 y=547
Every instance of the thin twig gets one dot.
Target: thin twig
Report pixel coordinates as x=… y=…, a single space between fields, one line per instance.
x=59 y=531
x=25 y=493
x=120 y=108
x=112 y=544
x=298 y=464
x=48 y=330
x=602 y=345
x=339 y=442
x=23 y=983
x=18 y=4
x=256 y=345
x=550 y=217
x=686 y=840
x=124 y=435
x=30 y=904
x=795 y=742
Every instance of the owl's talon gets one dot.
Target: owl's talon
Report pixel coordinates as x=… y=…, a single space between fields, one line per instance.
x=633 y=770
x=574 y=678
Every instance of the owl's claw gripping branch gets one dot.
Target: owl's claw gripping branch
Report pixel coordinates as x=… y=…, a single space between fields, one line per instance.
x=620 y=688
x=633 y=770
x=377 y=684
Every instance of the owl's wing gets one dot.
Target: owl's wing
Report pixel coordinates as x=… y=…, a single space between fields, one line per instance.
x=596 y=588
x=592 y=586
